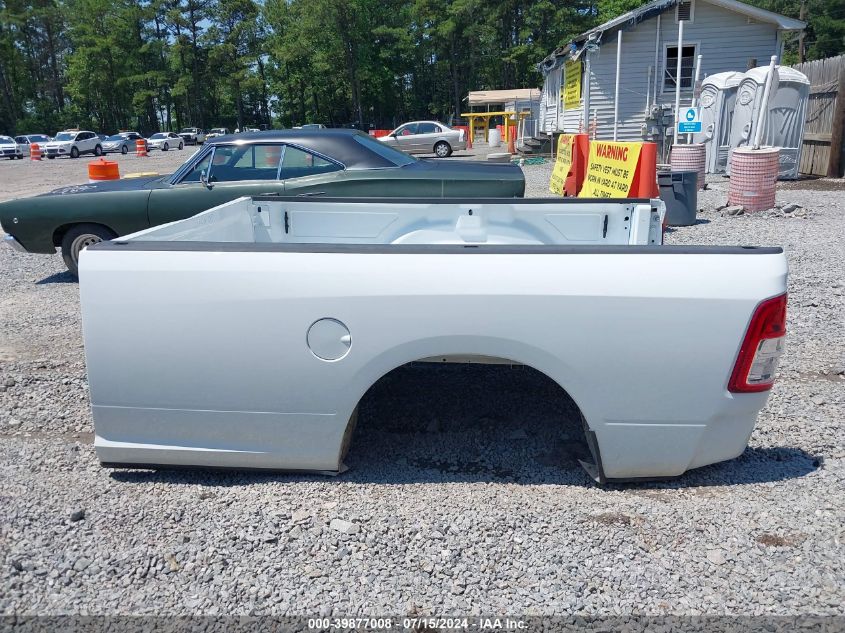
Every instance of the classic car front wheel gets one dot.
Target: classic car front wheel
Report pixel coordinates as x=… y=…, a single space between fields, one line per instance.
x=80 y=237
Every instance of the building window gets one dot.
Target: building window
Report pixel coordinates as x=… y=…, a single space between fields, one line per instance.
x=685 y=11
x=670 y=64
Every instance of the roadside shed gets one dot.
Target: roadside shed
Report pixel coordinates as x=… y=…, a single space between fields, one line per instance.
x=728 y=34
x=488 y=107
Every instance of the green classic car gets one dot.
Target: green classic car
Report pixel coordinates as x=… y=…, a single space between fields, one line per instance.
x=291 y=162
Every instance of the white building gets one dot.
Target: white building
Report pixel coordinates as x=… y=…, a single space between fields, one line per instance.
x=730 y=35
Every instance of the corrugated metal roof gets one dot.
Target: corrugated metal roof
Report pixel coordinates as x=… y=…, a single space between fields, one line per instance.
x=640 y=14
x=656 y=7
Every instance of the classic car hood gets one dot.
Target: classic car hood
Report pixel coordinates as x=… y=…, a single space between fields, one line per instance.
x=124 y=184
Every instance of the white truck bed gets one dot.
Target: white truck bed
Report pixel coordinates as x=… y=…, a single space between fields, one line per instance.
x=239 y=339
x=278 y=220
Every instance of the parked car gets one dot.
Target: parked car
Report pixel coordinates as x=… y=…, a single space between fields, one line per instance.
x=28 y=139
x=424 y=137
x=73 y=143
x=124 y=142
x=165 y=141
x=192 y=135
x=215 y=132
x=340 y=293
x=302 y=162
x=10 y=149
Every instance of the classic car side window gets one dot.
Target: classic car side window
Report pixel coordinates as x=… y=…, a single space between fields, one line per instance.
x=427 y=128
x=297 y=163
x=196 y=170
x=245 y=162
x=407 y=130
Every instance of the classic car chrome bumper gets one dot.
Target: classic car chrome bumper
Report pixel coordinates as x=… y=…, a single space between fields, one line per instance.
x=12 y=243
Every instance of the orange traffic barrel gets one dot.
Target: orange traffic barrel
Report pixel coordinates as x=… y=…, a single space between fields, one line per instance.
x=644 y=184
x=35 y=152
x=102 y=169
x=140 y=148
x=580 y=160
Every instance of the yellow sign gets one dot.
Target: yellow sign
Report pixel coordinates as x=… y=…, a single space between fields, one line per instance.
x=572 y=85
x=562 y=164
x=610 y=170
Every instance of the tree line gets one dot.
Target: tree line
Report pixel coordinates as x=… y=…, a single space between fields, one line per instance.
x=166 y=64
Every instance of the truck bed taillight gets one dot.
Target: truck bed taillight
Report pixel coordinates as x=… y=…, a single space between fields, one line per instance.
x=761 y=349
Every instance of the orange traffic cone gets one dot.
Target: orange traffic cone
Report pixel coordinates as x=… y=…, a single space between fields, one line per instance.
x=140 y=148
x=35 y=152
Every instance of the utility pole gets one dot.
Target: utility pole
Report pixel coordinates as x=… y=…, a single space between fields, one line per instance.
x=802 y=14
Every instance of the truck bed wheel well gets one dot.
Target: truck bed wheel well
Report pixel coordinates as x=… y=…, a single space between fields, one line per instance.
x=497 y=401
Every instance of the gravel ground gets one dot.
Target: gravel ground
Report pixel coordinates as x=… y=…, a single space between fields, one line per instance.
x=469 y=501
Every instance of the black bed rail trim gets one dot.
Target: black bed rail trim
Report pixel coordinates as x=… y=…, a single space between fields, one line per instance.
x=426 y=249
x=450 y=200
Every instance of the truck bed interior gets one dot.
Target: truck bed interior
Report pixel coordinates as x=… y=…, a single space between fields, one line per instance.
x=303 y=220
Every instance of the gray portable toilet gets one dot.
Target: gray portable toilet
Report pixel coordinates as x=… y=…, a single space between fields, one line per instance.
x=784 y=125
x=718 y=94
x=749 y=94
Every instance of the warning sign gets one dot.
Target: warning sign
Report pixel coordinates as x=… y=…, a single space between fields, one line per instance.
x=572 y=85
x=610 y=170
x=562 y=164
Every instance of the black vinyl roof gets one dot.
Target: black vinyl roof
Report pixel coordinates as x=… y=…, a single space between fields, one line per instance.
x=337 y=143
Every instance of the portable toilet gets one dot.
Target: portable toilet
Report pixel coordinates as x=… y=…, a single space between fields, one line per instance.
x=784 y=125
x=749 y=94
x=718 y=94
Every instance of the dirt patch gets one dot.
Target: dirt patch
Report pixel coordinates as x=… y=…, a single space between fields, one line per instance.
x=814 y=184
x=775 y=540
x=612 y=518
x=830 y=376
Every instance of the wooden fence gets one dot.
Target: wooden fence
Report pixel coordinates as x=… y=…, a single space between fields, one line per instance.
x=823 y=152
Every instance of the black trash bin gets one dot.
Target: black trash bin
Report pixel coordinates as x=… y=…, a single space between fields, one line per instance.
x=679 y=192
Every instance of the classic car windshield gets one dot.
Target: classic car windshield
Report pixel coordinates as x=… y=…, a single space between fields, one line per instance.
x=395 y=156
x=65 y=136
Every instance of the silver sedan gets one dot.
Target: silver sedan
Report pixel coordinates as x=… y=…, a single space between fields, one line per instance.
x=425 y=137
x=165 y=141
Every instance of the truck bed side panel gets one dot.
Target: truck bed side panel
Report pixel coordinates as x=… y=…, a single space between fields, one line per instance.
x=203 y=358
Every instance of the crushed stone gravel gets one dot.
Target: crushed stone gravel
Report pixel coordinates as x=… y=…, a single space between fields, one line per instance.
x=463 y=493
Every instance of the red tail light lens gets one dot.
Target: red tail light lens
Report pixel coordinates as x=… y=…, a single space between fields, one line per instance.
x=761 y=349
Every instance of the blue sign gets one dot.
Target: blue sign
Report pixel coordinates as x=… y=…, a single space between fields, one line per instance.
x=690 y=121
x=689 y=128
